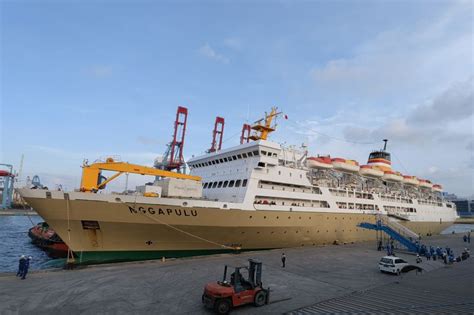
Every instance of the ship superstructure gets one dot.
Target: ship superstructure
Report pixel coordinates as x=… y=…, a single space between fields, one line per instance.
x=256 y=195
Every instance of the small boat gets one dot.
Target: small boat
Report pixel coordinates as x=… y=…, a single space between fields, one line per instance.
x=46 y=238
x=322 y=162
x=437 y=187
x=426 y=183
x=370 y=171
x=392 y=176
x=410 y=180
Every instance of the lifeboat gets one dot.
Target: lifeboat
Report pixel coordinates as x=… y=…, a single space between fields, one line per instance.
x=392 y=176
x=410 y=180
x=322 y=162
x=425 y=183
x=345 y=165
x=370 y=171
x=4 y=173
x=437 y=188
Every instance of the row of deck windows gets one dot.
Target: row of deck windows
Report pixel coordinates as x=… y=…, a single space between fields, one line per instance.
x=227 y=159
x=398 y=209
x=357 y=206
x=224 y=184
x=260 y=200
x=234 y=158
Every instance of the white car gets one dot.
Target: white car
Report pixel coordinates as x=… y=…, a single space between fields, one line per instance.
x=392 y=264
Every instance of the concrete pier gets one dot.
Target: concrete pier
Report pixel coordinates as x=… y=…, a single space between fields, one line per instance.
x=313 y=275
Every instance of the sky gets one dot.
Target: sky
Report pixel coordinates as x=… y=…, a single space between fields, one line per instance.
x=89 y=79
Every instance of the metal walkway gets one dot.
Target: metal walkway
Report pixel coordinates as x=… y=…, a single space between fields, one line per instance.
x=446 y=291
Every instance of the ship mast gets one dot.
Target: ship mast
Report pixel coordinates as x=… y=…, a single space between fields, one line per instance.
x=264 y=127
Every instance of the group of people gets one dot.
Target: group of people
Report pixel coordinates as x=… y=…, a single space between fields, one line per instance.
x=23 y=266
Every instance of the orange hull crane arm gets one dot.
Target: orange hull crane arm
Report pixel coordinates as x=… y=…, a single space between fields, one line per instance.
x=92 y=179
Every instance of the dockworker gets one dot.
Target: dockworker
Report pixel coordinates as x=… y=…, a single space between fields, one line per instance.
x=283 y=260
x=379 y=246
x=428 y=255
x=469 y=237
x=26 y=267
x=464 y=238
x=21 y=265
x=418 y=259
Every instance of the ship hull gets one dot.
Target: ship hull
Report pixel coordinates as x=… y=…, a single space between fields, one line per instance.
x=99 y=231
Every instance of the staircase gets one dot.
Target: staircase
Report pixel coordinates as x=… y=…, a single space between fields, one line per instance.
x=395 y=230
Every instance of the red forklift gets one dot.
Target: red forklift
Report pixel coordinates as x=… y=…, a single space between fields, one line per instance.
x=222 y=296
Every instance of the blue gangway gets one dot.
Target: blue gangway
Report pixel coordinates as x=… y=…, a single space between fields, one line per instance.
x=410 y=244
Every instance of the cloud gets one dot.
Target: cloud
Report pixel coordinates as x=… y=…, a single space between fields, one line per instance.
x=99 y=71
x=410 y=60
x=454 y=104
x=207 y=51
x=233 y=43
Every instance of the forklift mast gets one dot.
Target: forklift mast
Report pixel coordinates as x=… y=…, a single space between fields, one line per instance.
x=255 y=272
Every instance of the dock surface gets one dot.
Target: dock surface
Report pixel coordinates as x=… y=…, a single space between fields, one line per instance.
x=315 y=278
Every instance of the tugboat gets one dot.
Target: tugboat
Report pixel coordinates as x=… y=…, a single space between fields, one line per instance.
x=46 y=238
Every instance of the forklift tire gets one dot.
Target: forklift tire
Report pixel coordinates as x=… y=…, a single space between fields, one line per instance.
x=260 y=298
x=222 y=306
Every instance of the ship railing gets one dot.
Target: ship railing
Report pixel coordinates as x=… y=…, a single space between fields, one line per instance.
x=393 y=224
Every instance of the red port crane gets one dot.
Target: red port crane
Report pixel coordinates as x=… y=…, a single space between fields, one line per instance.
x=173 y=157
x=245 y=136
x=217 y=134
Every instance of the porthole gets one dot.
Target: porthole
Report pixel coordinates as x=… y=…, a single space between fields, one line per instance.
x=288 y=217
x=296 y=232
x=300 y=218
x=284 y=232
x=264 y=217
x=278 y=217
x=250 y=217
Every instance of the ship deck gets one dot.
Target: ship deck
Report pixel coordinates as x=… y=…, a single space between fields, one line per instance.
x=313 y=275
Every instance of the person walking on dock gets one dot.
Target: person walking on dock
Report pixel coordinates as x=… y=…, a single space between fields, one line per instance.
x=469 y=237
x=21 y=265
x=25 y=268
x=283 y=260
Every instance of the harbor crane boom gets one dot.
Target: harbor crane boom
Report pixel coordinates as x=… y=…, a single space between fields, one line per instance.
x=92 y=179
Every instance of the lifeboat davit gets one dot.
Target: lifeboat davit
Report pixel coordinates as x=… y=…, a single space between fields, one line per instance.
x=425 y=183
x=392 y=176
x=370 y=171
x=322 y=162
x=437 y=187
x=345 y=165
x=411 y=180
